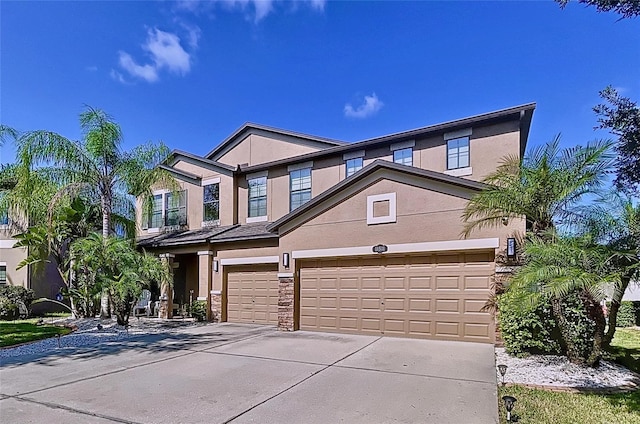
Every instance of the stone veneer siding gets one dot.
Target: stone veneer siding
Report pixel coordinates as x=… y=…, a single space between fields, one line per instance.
x=216 y=306
x=285 y=304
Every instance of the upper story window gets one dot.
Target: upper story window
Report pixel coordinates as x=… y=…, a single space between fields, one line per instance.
x=403 y=156
x=176 y=208
x=257 y=197
x=458 y=153
x=3 y=274
x=300 y=187
x=155 y=220
x=211 y=202
x=353 y=166
x=168 y=209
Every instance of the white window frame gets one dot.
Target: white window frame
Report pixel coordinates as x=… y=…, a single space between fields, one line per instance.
x=207 y=183
x=164 y=194
x=355 y=168
x=263 y=217
x=6 y=275
x=402 y=160
x=301 y=190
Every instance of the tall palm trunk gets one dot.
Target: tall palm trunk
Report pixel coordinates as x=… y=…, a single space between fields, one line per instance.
x=594 y=310
x=105 y=301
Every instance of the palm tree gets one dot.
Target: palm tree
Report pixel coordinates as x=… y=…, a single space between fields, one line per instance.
x=558 y=267
x=614 y=222
x=118 y=268
x=96 y=167
x=542 y=187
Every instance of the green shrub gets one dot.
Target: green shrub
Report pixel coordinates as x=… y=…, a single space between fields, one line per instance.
x=526 y=330
x=626 y=314
x=8 y=309
x=534 y=330
x=20 y=297
x=198 y=309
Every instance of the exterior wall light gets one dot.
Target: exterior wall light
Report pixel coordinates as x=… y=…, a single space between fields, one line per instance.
x=511 y=248
x=285 y=260
x=215 y=266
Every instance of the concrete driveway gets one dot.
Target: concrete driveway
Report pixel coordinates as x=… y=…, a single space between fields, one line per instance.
x=222 y=373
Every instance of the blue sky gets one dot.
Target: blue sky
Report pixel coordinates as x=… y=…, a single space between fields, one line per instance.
x=190 y=73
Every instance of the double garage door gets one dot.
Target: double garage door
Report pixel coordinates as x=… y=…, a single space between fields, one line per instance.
x=433 y=296
x=437 y=296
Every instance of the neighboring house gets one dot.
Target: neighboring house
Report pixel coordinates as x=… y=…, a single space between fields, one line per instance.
x=45 y=282
x=303 y=232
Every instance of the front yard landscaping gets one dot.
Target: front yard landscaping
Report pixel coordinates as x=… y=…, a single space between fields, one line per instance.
x=23 y=331
x=547 y=407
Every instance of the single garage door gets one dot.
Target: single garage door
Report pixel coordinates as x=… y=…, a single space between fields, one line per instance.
x=430 y=296
x=252 y=294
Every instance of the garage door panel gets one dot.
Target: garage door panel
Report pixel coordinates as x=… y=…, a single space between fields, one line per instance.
x=430 y=296
x=252 y=294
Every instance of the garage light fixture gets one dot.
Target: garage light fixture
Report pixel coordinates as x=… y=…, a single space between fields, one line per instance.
x=285 y=260
x=215 y=266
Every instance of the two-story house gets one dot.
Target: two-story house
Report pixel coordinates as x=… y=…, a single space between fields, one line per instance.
x=303 y=232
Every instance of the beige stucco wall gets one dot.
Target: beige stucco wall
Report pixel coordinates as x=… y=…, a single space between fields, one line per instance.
x=256 y=149
x=422 y=216
x=12 y=257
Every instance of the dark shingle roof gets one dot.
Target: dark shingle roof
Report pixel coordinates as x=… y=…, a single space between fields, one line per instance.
x=226 y=234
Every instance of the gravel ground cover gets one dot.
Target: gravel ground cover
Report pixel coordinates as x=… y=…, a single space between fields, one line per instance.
x=557 y=371
x=95 y=331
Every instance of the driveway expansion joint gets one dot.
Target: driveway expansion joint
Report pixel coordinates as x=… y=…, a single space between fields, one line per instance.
x=69 y=409
x=313 y=374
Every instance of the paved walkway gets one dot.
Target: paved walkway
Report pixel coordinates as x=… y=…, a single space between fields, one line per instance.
x=250 y=374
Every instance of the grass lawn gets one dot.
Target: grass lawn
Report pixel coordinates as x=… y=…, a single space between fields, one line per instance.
x=22 y=331
x=540 y=406
x=543 y=407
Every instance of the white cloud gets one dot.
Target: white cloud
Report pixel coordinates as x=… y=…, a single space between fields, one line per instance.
x=117 y=76
x=165 y=52
x=255 y=10
x=370 y=106
x=318 y=4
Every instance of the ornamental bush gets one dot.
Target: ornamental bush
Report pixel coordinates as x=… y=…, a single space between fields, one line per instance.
x=626 y=314
x=526 y=330
x=19 y=297
x=533 y=330
x=198 y=309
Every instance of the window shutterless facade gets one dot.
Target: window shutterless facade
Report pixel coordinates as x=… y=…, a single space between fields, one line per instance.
x=257 y=197
x=155 y=220
x=403 y=156
x=353 y=166
x=176 y=209
x=211 y=202
x=458 y=153
x=299 y=187
x=3 y=274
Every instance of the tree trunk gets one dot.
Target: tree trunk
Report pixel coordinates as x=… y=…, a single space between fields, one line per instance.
x=558 y=313
x=616 y=300
x=596 y=314
x=105 y=310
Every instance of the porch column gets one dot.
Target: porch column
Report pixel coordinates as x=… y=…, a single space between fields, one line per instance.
x=285 y=302
x=205 y=265
x=166 y=292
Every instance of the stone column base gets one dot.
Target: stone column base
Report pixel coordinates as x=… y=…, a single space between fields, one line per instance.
x=285 y=304
x=216 y=306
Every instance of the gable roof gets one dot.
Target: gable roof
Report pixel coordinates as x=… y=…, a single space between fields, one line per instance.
x=178 y=155
x=522 y=113
x=365 y=173
x=250 y=128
